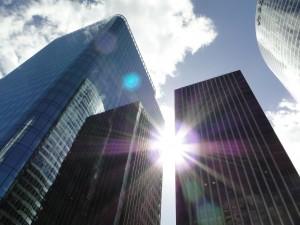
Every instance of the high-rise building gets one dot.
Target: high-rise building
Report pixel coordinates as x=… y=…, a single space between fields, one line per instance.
x=235 y=170
x=109 y=176
x=44 y=102
x=278 y=36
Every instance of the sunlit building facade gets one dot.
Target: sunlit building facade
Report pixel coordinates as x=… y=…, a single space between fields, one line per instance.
x=110 y=175
x=45 y=101
x=278 y=36
x=235 y=170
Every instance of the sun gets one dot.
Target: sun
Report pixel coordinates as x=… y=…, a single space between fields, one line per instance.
x=170 y=147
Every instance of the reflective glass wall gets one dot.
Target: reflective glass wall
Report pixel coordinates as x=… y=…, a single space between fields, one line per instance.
x=278 y=36
x=101 y=65
x=23 y=200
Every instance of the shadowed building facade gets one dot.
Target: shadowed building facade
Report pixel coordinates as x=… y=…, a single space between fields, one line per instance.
x=236 y=170
x=109 y=176
x=44 y=102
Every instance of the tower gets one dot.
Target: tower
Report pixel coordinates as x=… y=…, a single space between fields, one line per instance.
x=111 y=174
x=45 y=101
x=278 y=32
x=236 y=170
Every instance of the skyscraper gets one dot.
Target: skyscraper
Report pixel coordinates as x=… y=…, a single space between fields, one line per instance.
x=109 y=176
x=44 y=102
x=278 y=36
x=235 y=170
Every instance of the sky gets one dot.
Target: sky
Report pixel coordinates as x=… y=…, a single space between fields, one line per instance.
x=181 y=41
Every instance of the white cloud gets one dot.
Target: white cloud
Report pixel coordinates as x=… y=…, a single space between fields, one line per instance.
x=291 y=80
x=165 y=31
x=169 y=116
x=286 y=123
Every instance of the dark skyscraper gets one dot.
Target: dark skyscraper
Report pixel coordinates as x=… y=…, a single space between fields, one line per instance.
x=236 y=170
x=109 y=175
x=44 y=102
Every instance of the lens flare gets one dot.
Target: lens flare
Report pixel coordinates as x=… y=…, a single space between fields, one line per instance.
x=209 y=213
x=171 y=149
x=106 y=43
x=170 y=146
x=131 y=81
x=192 y=189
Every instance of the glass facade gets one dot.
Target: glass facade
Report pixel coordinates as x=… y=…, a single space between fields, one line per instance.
x=109 y=175
x=24 y=199
x=278 y=36
x=44 y=102
x=236 y=171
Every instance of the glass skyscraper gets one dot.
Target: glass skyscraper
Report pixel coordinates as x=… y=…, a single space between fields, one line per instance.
x=278 y=36
x=110 y=175
x=45 y=101
x=235 y=170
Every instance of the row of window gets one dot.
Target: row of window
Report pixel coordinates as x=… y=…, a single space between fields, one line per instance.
x=251 y=146
x=46 y=162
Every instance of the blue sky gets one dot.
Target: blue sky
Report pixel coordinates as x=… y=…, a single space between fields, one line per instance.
x=182 y=42
x=235 y=48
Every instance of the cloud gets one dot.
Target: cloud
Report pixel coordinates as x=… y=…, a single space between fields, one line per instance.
x=165 y=31
x=169 y=115
x=291 y=80
x=286 y=123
